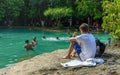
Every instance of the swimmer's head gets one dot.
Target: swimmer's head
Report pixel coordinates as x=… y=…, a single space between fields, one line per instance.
x=44 y=37
x=26 y=41
x=57 y=38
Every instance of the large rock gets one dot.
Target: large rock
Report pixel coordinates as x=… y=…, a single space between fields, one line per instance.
x=49 y=64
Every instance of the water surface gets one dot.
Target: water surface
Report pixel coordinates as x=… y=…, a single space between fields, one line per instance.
x=12 y=43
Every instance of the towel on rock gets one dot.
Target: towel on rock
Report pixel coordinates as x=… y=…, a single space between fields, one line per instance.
x=88 y=62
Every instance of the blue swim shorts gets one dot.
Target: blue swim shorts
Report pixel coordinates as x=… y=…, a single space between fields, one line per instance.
x=77 y=48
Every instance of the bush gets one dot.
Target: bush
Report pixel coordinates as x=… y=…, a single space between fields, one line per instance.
x=59 y=26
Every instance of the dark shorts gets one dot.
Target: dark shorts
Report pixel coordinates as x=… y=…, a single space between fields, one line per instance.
x=77 y=48
x=79 y=51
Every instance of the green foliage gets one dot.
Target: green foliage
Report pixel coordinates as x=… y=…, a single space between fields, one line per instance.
x=32 y=13
x=27 y=11
x=10 y=9
x=2 y=11
x=57 y=13
x=59 y=26
x=61 y=3
x=89 y=7
x=111 y=19
x=36 y=8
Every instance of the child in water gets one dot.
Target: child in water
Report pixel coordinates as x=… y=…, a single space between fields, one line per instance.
x=28 y=45
x=34 y=41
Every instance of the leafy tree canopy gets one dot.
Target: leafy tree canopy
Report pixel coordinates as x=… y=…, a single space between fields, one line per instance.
x=89 y=8
x=57 y=13
x=111 y=17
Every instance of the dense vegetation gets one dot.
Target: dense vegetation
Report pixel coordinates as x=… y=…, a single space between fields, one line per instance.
x=61 y=13
x=25 y=12
x=111 y=17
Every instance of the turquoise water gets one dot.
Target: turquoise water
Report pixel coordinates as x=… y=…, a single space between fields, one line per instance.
x=12 y=43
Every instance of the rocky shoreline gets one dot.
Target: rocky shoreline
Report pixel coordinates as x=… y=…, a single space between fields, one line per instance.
x=49 y=64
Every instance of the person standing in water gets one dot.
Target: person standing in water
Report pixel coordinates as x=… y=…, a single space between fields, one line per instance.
x=28 y=46
x=34 y=41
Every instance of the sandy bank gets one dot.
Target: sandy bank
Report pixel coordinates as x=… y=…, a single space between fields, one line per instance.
x=49 y=64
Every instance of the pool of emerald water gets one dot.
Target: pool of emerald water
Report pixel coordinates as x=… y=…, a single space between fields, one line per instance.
x=12 y=43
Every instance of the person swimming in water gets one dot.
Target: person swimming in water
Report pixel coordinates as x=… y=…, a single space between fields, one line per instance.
x=28 y=46
x=44 y=37
x=57 y=38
